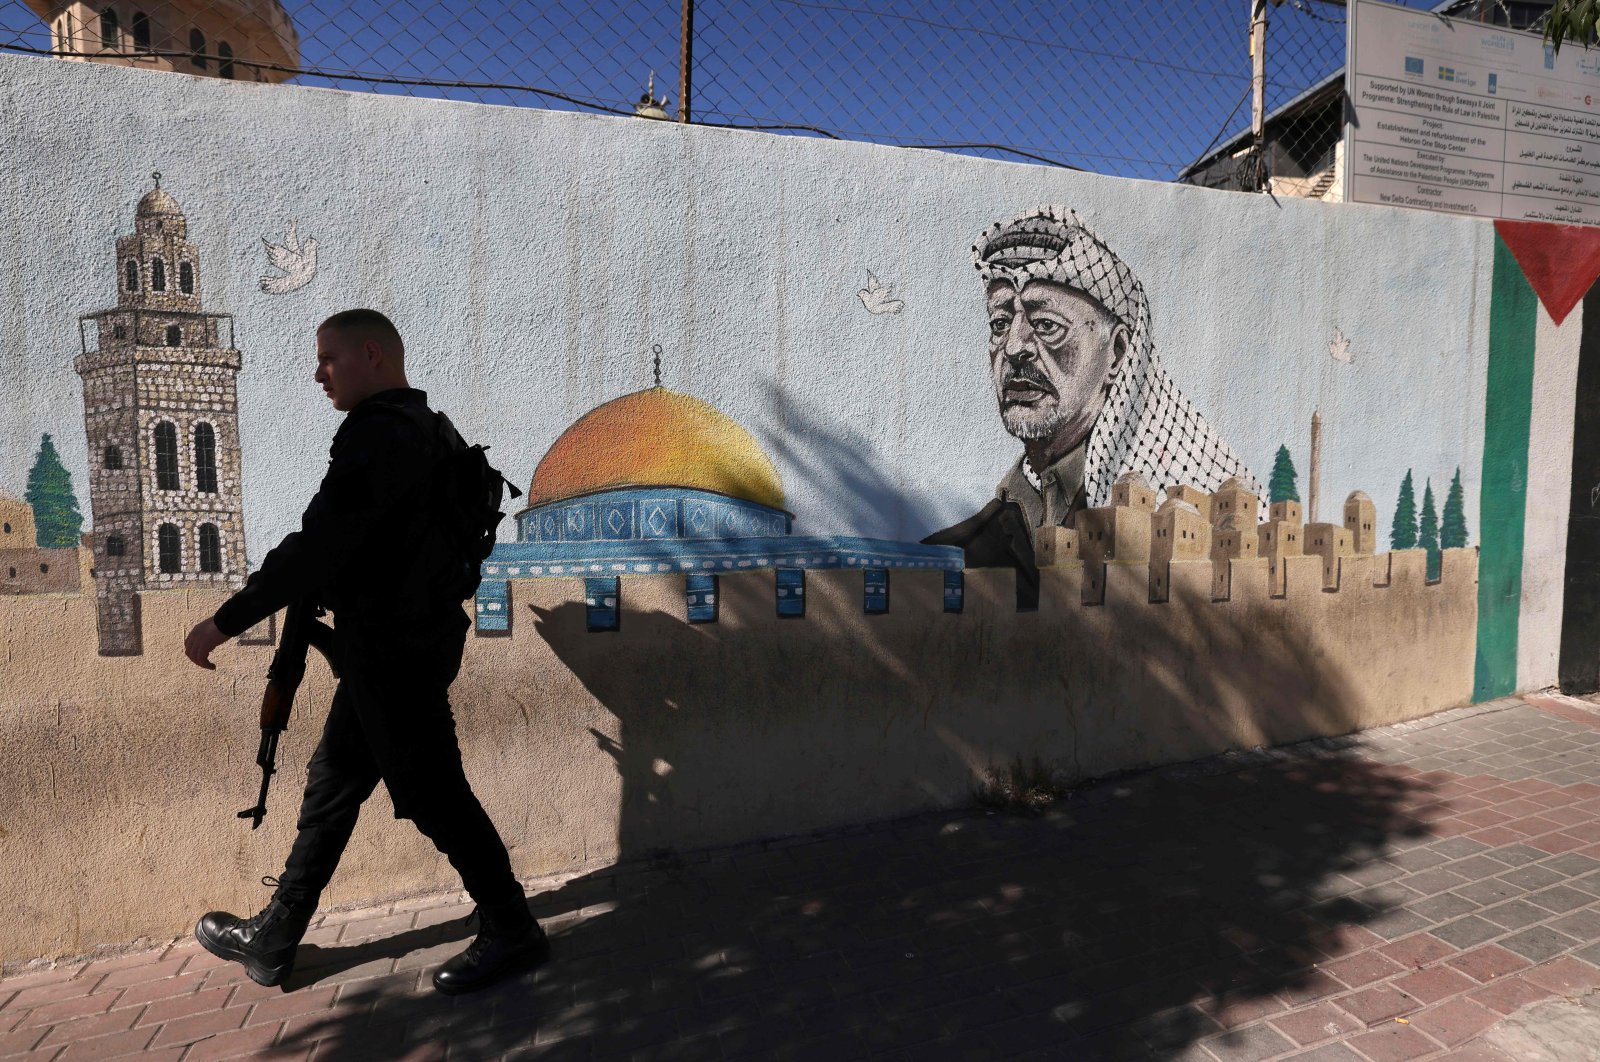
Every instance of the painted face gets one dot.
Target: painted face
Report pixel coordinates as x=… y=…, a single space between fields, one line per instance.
x=344 y=369
x=1051 y=349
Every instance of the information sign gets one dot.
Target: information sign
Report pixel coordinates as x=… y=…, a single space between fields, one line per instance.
x=1458 y=116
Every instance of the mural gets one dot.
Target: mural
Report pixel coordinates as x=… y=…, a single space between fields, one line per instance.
x=1181 y=472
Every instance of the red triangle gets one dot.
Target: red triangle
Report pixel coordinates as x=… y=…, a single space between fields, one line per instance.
x=1561 y=262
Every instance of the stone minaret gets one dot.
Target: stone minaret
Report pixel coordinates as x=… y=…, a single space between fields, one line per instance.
x=1316 y=467
x=160 y=404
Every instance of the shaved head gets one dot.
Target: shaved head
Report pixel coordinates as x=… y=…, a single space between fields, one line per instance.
x=368 y=326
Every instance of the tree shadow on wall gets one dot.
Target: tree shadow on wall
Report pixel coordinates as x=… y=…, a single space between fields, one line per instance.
x=1145 y=913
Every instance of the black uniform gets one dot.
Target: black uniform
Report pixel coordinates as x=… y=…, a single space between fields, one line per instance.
x=364 y=551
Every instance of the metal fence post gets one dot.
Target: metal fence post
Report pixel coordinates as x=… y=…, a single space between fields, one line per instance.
x=685 y=58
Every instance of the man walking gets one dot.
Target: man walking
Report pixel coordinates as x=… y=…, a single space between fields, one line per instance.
x=367 y=550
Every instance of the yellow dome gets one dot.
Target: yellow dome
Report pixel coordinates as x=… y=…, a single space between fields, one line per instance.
x=656 y=438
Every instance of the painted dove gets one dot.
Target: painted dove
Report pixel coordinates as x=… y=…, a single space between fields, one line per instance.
x=1339 y=347
x=875 y=297
x=297 y=260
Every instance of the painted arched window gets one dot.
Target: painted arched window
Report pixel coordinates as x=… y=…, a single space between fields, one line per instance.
x=166 y=456
x=197 y=49
x=158 y=275
x=210 y=548
x=224 y=60
x=130 y=275
x=174 y=336
x=168 y=549
x=115 y=546
x=141 y=31
x=110 y=30
x=186 y=278
x=113 y=458
x=205 y=458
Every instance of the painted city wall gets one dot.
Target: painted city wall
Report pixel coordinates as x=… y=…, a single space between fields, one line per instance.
x=853 y=475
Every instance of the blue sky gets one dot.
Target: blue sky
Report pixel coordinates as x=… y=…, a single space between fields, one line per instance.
x=1135 y=90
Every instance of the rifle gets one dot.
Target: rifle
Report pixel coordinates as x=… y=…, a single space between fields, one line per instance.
x=302 y=631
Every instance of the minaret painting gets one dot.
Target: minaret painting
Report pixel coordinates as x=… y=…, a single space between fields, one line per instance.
x=160 y=403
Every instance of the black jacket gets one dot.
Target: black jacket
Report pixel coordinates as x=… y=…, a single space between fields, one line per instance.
x=360 y=550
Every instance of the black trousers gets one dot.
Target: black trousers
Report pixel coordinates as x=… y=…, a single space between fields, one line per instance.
x=391 y=721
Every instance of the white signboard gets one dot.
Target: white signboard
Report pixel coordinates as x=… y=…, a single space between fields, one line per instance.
x=1455 y=115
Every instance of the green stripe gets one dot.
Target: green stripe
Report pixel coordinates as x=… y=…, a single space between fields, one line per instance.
x=1507 y=415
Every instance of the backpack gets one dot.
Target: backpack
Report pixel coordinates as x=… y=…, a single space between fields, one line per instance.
x=463 y=498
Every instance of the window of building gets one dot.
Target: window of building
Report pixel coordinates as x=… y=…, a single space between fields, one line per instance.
x=44 y=569
x=168 y=550
x=130 y=275
x=174 y=336
x=700 y=591
x=210 y=548
x=166 y=456
x=113 y=457
x=601 y=606
x=224 y=60
x=110 y=30
x=118 y=332
x=141 y=31
x=186 y=278
x=791 y=592
x=13 y=573
x=115 y=546
x=158 y=275
x=197 y=49
x=8 y=529
x=875 y=591
x=205 y=458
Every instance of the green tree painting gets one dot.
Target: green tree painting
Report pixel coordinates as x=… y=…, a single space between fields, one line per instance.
x=1453 y=529
x=1428 y=530
x=1282 y=485
x=1403 y=532
x=55 y=507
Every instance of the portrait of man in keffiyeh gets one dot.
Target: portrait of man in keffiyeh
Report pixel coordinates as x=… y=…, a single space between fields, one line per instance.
x=1077 y=381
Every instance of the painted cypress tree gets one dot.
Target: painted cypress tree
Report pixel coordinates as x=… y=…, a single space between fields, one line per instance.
x=1428 y=530
x=1453 y=531
x=1403 y=533
x=1282 y=485
x=55 y=507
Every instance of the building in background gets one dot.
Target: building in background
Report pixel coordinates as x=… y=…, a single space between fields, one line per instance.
x=1303 y=139
x=161 y=413
x=247 y=40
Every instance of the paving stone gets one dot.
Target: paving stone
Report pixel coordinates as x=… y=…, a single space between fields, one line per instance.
x=1489 y=962
x=1465 y=932
x=1456 y=1021
x=1394 y=1043
x=1435 y=983
x=1538 y=944
x=1514 y=914
x=1560 y=899
x=1489 y=891
x=1571 y=864
x=1373 y=1005
x=1443 y=908
x=1250 y=1044
x=1509 y=994
x=1567 y=976
x=1418 y=950
x=1363 y=969
x=1583 y=925
x=1314 y=1024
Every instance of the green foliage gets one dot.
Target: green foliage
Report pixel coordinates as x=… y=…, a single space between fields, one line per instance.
x=1453 y=530
x=1282 y=485
x=1403 y=532
x=1428 y=531
x=55 y=507
x=1572 y=20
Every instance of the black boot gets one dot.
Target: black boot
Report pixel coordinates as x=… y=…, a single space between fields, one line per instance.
x=265 y=943
x=509 y=941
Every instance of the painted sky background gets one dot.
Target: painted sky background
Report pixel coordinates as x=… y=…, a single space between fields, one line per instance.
x=533 y=257
x=1119 y=88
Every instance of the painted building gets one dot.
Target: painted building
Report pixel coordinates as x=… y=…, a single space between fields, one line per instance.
x=161 y=417
x=659 y=482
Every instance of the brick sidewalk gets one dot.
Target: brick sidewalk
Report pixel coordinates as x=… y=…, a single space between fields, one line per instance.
x=1383 y=897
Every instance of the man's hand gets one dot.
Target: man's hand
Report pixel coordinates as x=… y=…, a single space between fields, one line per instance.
x=204 y=638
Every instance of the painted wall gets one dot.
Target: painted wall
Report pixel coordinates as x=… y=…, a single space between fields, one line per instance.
x=823 y=297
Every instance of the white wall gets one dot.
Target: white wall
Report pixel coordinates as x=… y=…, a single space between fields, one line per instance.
x=532 y=257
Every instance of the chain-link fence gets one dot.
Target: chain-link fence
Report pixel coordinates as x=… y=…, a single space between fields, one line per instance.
x=1152 y=90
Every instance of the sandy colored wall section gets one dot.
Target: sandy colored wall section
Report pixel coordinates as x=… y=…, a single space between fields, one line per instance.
x=587 y=748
